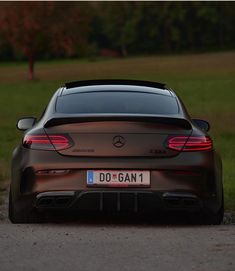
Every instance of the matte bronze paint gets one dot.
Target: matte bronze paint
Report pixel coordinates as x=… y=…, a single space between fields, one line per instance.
x=198 y=173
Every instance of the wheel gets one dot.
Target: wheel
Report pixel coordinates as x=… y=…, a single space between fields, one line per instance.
x=26 y=215
x=210 y=218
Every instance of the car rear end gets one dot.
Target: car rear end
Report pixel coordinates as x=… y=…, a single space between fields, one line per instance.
x=117 y=159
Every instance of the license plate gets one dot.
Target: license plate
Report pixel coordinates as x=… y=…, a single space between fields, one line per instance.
x=116 y=178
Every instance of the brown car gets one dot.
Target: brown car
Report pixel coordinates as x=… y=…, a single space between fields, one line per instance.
x=118 y=146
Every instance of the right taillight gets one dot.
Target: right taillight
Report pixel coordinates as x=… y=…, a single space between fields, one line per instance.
x=47 y=142
x=192 y=143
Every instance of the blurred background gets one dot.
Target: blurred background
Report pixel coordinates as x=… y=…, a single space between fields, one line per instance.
x=188 y=45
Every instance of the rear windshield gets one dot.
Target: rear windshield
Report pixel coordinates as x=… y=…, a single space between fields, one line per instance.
x=117 y=102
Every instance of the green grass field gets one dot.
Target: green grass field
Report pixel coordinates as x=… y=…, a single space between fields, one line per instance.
x=206 y=83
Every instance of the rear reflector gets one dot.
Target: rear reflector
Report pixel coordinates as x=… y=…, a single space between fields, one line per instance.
x=44 y=142
x=53 y=172
x=192 y=143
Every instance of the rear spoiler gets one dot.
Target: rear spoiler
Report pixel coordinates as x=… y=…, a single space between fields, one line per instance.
x=180 y=122
x=115 y=82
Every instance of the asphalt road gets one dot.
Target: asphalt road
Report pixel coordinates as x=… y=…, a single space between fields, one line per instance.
x=116 y=244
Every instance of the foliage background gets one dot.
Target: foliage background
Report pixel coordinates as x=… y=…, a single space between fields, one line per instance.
x=75 y=29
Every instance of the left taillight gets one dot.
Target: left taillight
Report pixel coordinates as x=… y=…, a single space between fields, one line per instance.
x=192 y=143
x=47 y=142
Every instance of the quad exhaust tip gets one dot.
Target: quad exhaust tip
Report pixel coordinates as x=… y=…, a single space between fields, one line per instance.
x=54 y=199
x=181 y=200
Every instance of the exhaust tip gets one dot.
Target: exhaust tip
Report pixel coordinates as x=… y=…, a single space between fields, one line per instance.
x=45 y=202
x=53 y=201
x=181 y=200
x=62 y=201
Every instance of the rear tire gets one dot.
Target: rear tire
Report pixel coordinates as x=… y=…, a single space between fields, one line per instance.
x=26 y=215
x=210 y=218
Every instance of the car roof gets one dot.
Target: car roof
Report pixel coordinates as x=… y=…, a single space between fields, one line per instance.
x=115 y=85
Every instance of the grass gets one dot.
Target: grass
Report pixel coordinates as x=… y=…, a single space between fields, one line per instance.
x=205 y=82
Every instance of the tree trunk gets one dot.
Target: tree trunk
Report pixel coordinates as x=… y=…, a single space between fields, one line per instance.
x=124 y=50
x=167 y=39
x=31 y=66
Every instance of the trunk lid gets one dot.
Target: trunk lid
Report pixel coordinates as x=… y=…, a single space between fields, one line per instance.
x=137 y=136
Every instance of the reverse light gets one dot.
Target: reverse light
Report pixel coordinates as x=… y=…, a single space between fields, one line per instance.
x=46 y=142
x=192 y=143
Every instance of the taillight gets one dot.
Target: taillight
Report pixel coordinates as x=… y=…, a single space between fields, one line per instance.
x=192 y=143
x=46 y=142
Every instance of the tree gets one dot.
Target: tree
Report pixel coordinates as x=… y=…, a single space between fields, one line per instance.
x=37 y=26
x=118 y=23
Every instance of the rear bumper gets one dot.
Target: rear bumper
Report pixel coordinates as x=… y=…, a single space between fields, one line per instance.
x=198 y=174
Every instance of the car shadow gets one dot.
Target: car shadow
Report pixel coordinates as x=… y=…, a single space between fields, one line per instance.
x=119 y=219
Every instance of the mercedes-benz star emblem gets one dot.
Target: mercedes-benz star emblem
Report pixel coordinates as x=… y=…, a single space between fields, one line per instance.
x=119 y=141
